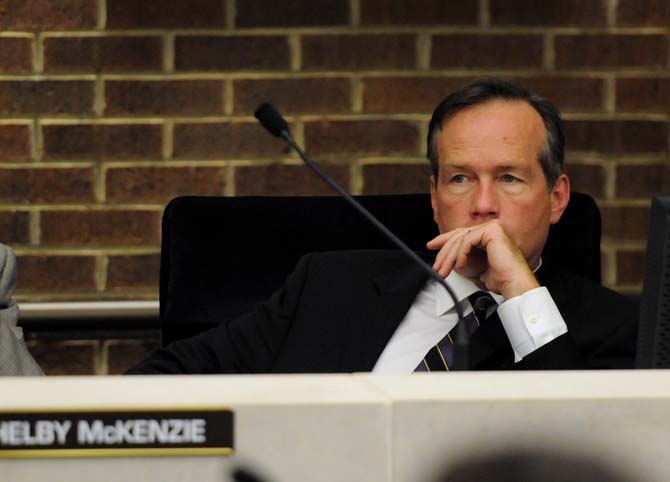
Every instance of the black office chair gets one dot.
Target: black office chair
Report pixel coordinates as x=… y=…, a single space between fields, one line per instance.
x=221 y=255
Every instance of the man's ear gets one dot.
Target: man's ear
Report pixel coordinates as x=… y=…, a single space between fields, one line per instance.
x=560 y=196
x=433 y=197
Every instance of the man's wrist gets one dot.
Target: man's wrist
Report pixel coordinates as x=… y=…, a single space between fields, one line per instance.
x=519 y=285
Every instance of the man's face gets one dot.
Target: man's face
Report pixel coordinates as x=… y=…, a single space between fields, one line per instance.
x=489 y=169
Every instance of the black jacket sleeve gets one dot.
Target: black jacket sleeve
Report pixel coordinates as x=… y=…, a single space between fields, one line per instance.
x=602 y=329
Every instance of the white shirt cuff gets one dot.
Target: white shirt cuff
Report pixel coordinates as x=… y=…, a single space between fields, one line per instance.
x=531 y=320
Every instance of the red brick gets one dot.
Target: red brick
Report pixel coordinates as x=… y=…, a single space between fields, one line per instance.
x=99 y=228
x=422 y=94
x=55 y=273
x=625 y=223
x=171 y=97
x=643 y=12
x=417 y=12
x=630 y=267
x=48 y=14
x=358 y=52
x=140 y=271
x=601 y=51
x=587 y=178
x=362 y=137
x=132 y=14
x=205 y=53
x=396 y=178
x=642 y=181
x=533 y=13
x=102 y=54
x=102 y=142
x=225 y=140
x=483 y=51
x=283 y=180
x=58 y=185
x=408 y=94
x=291 y=13
x=616 y=137
x=31 y=97
x=569 y=94
x=15 y=227
x=58 y=357
x=14 y=142
x=124 y=354
x=15 y=55
x=160 y=184
x=294 y=96
x=646 y=94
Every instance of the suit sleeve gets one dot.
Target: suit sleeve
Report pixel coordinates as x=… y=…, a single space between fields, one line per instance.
x=14 y=356
x=248 y=344
x=602 y=332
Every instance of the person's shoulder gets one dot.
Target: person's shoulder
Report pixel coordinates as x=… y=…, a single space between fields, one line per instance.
x=601 y=321
x=590 y=300
x=590 y=289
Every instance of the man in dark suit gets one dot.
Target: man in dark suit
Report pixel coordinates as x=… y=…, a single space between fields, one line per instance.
x=496 y=153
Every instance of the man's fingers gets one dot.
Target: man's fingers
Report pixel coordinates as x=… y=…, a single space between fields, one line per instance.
x=485 y=282
x=438 y=241
x=484 y=254
x=443 y=243
x=455 y=252
x=450 y=252
x=462 y=255
x=442 y=254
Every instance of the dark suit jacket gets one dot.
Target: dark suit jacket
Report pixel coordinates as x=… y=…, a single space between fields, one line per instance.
x=338 y=310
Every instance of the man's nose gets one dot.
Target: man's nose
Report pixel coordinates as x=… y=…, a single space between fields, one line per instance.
x=485 y=202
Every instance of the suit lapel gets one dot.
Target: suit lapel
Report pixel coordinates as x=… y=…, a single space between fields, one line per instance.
x=395 y=293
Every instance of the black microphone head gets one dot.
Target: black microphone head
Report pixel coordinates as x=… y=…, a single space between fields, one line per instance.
x=271 y=119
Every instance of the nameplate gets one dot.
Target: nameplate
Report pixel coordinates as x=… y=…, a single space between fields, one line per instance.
x=96 y=433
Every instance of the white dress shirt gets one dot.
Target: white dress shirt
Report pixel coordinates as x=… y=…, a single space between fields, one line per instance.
x=530 y=321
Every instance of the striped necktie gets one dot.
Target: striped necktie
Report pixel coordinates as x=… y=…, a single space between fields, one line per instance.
x=441 y=356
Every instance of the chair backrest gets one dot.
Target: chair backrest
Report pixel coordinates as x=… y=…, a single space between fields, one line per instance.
x=221 y=255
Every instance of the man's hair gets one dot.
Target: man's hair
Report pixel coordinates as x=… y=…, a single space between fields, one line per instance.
x=488 y=89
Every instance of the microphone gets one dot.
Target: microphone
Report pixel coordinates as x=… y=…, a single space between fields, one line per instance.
x=273 y=121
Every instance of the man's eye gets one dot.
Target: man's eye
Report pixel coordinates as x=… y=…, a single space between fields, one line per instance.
x=458 y=179
x=509 y=178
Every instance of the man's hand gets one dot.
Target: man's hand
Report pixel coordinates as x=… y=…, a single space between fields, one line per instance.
x=485 y=255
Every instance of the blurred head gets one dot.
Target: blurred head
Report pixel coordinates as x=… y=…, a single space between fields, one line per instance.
x=532 y=466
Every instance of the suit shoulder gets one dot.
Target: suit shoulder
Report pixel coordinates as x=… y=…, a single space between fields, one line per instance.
x=590 y=307
x=574 y=284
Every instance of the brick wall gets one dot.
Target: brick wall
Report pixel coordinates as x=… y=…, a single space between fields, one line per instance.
x=109 y=108
x=90 y=352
